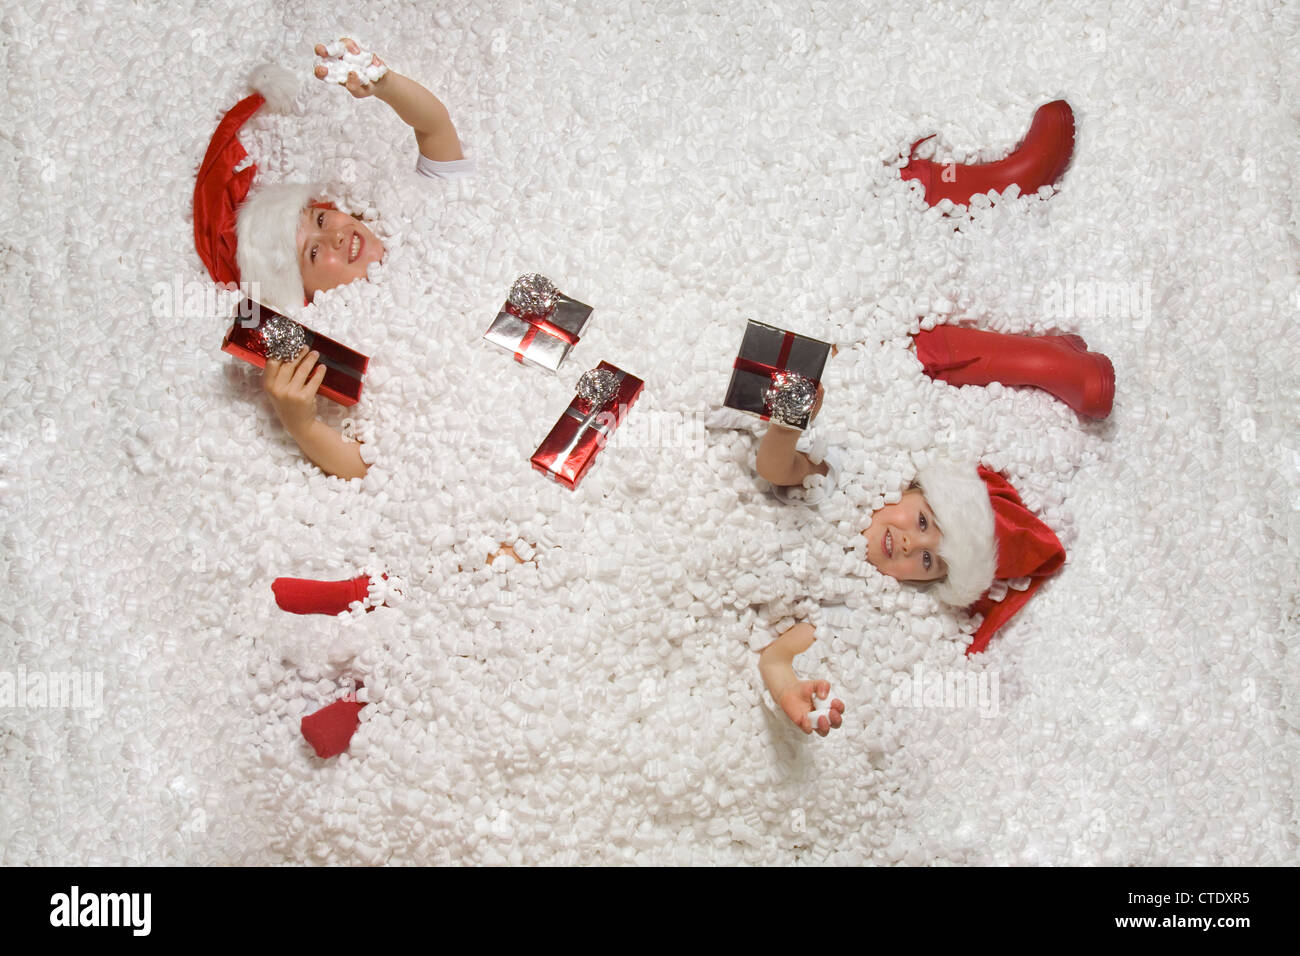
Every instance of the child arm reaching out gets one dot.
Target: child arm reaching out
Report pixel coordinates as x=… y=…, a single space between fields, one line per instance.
x=778 y=461
x=795 y=696
x=416 y=106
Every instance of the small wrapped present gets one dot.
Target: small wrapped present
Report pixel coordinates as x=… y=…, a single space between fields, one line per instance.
x=260 y=333
x=538 y=323
x=604 y=396
x=775 y=376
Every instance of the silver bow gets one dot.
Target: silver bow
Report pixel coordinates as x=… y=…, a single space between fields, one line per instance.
x=283 y=338
x=791 y=397
x=534 y=294
x=597 y=386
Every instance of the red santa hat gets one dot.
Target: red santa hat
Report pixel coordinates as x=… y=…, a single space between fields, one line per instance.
x=988 y=534
x=243 y=238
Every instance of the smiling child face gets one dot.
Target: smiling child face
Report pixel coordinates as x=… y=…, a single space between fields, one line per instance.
x=333 y=249
x=903 y=540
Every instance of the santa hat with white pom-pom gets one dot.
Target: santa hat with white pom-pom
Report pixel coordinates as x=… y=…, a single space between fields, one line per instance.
x=988 y=534
x=243 y=238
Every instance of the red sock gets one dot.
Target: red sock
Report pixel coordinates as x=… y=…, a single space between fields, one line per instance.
x=330 y=729
x=301 y=596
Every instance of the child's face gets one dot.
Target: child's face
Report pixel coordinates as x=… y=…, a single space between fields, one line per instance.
x=333 y=249
x=903 y=540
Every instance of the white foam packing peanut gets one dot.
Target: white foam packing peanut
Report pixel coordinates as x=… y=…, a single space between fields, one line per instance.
x=339 y=62
x=823 y=708
x=662 y=184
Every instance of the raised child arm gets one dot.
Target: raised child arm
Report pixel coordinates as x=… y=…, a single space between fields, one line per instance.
x=418 y=108
x=778 y=462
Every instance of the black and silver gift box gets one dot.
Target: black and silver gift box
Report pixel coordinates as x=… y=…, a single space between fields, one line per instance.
x=776 y=374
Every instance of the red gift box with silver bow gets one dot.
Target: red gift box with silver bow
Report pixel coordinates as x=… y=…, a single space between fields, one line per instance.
x=257 y=326
x=604 y=396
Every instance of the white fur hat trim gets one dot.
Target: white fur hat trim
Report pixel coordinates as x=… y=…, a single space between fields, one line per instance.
x=266 y=245
x=960 y=501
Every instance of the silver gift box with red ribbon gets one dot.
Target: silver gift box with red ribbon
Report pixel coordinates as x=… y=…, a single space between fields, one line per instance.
x=538 y=324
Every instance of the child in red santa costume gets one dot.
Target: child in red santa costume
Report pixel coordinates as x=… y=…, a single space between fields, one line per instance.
x=959 y=527
x=283 y=244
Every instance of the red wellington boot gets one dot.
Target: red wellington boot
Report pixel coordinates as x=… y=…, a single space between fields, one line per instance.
x=1059 y=364
x=1039 y=160
x=304 y=596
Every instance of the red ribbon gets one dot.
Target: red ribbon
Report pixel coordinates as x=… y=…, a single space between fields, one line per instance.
x=758 y=368
x=538 y=323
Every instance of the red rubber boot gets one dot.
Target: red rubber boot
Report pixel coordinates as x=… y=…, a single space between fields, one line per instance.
x=1039 y=160
x=1059 y=364
x=303 y=596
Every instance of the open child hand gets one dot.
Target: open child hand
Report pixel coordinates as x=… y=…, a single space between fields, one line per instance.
x=292 y=387
x=353 y=85
x=797 y=701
